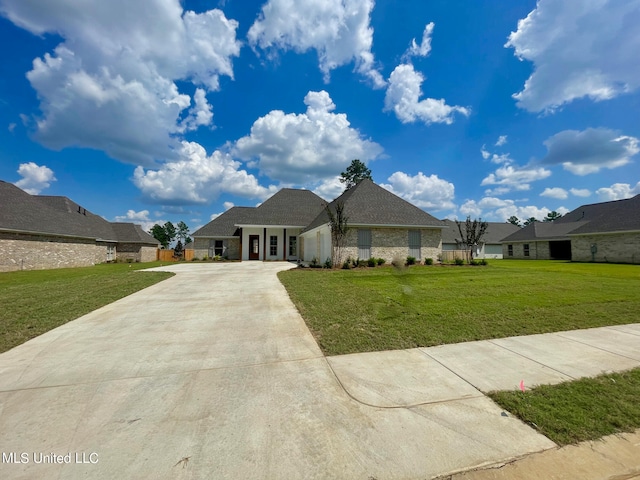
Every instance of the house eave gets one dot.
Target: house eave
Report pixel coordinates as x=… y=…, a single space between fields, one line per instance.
x=51 y=234
x=602 y=233
x=385 y=225
x=244 y=225
x=216 y=236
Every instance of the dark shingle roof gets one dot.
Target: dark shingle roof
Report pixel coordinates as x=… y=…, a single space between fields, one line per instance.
x=289 y=207
x=606 y=217
x=225 y=224
x=496 y=231
x=22 y=212
x=132 y=233
x=543 y=231
x=78 y=220
x=370 y=204
x=617 y=216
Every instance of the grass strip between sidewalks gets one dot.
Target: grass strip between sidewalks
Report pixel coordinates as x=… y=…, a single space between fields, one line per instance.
x=581 y=410
x=34 y=302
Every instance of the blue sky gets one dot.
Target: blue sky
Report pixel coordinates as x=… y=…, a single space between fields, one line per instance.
x=166 y=110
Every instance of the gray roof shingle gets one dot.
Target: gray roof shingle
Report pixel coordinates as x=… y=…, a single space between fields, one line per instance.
x=370 y=204
x=132 y=233
x=290 y=207
x=224 y=225
x=606 y=217
x=22 y=212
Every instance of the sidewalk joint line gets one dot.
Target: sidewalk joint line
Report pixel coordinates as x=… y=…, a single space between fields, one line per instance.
x=532 y=359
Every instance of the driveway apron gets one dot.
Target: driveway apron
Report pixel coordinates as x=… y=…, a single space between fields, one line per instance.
x=213 y=374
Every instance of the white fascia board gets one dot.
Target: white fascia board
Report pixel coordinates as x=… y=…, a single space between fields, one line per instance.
x=242 y=225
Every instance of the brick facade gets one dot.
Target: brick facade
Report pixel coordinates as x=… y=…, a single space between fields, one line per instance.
x=203 y=247
x=617 y=248
x=28 y=252
x=537 y=250
x=136 y=252
x=388 y=243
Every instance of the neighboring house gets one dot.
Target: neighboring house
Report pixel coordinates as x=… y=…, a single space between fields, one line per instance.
x=267 y=232
x=38 y=232
x=490 y=247
x=600 y=232
x=134 y=244
x=294 y=225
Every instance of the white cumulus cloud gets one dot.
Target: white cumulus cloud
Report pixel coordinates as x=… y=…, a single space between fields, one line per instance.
x=502 y=139
x=578 y=49
x=305 y=148
x=35 y=178
x=338 y=30
x=618 y=191
x=330 y=189
x=499 y=210
x=555 y=192
x=139 y=218
x=198 y=178
x=512 y=177
x=427 y=192
x=580 y=192
x=590 y=150
x=110 y=84
x=424 y=48
x=403 y=98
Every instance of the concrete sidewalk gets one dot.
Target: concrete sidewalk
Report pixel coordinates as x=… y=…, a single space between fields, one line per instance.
x=436 y=374
x=213 y=374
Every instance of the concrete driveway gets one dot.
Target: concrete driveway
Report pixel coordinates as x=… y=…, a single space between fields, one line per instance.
x=213 y=374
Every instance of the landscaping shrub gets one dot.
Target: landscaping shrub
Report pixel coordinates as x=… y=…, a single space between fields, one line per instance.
x=484 y=262
x=371 y=262
x=205 y=258
x=314 y=263
x=475 y=263
x=346 y=265
x=459 y=261
x=194 y=259
x=356 y=262
x=411 y=260
x=328 y=263
x=381 y=261
x=428 y=261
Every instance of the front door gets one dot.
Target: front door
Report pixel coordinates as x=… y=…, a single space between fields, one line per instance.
x=254 y=247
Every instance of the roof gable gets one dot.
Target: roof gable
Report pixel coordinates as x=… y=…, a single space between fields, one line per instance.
x=369 y=204
x=224 y=225
x=289 y=206
x=132 y=233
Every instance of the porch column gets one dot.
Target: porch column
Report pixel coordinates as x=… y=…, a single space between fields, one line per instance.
x=264 y=245
x=284 y=245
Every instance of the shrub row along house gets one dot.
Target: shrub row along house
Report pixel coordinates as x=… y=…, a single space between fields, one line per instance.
x=599 y=232
x=38 y=232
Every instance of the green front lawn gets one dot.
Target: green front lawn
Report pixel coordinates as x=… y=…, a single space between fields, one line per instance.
x=584 y=409
x=34 y=302
x=384 y=308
